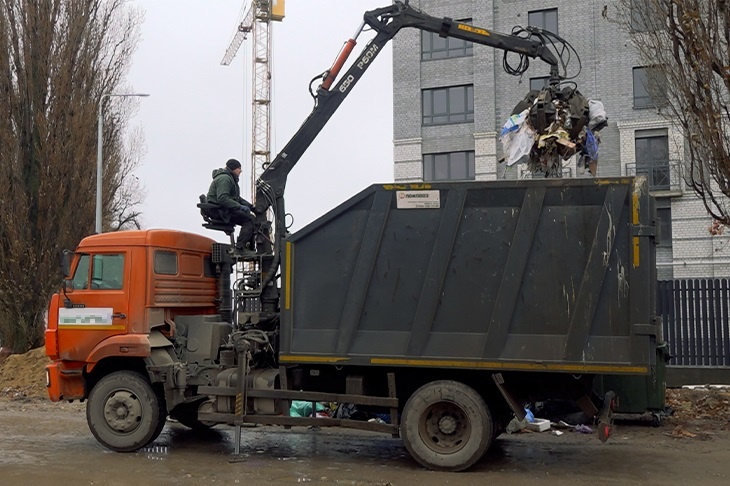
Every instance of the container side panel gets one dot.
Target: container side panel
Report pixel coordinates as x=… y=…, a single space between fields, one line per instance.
x=506 y=271
x=400 y=269
x=323 y=267
x=477 y=266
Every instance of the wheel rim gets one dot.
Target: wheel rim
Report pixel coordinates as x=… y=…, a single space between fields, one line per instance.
x=444 y=427
x=122 y=411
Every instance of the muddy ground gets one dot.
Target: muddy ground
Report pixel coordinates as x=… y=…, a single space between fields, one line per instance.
x=49 y=443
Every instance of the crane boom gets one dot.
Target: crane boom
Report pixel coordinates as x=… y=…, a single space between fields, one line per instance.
x=387 y=22
x=245 y=25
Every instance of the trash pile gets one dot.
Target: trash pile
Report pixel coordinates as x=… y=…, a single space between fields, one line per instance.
x=533 y=424
x=700 y=403
x=550 y=126
x=349 y=411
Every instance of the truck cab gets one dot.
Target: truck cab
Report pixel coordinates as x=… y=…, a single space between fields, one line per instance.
x=120 y=300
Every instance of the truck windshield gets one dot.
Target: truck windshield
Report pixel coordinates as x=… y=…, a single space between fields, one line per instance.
x=81 y=276
x=107 y=272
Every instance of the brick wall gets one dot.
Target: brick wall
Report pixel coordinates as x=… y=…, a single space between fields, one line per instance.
x=608 y=59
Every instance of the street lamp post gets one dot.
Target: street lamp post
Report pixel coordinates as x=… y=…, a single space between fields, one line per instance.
x=99 y=144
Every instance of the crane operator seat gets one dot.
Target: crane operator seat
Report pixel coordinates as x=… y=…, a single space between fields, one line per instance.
x=210 y=214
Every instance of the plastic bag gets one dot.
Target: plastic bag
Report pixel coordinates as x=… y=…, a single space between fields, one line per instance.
x=529 y=415
x=591 y=146
x=514 y=123
x=596 y=113
x=518 y=144
x=301 y=408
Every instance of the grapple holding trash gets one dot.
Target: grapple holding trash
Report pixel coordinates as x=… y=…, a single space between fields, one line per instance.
x=552 y=125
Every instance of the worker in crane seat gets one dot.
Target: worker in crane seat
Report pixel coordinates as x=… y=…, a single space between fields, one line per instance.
x=225 y=192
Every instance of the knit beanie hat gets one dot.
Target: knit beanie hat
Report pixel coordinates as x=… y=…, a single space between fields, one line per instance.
x=233 y=164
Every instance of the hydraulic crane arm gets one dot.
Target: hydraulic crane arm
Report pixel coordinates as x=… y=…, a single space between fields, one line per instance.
x=387 y=22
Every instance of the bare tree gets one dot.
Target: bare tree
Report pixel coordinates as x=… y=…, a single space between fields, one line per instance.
x=687 y=45
x=57 y=57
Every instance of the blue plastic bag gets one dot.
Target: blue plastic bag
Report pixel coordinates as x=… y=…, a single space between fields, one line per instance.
x=591 y=145
x=529 y=416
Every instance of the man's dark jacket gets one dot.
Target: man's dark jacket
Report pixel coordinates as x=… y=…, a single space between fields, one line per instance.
x=225 y=192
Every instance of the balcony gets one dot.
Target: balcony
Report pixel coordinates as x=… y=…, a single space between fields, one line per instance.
x=664 y=179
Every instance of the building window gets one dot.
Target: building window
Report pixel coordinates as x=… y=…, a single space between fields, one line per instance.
x=452 y=166
x=537 y=84
x=652 y=158
x=435 y=47
x=664 y=216
x=646 y=16
x=650 y=87
x=448 y=105
x=544 y=19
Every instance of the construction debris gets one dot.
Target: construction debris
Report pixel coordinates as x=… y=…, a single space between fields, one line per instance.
x=680 y=433
x=705 y=403
x=23 y=376
x=550 y=126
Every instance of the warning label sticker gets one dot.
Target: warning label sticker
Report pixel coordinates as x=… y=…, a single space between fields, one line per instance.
x=418 y=199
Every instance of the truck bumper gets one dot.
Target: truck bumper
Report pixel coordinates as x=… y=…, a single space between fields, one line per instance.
x=64 y=383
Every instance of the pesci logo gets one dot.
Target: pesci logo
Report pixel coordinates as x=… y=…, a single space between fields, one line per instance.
x=368 y=56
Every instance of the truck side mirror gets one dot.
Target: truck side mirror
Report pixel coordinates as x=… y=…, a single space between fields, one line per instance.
x=68 y=285
x=66 y=257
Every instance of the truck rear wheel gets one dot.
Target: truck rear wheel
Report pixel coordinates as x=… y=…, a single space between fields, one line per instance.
x=123 y=412
x=446 y=426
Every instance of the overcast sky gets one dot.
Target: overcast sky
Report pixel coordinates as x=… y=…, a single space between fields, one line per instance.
x=198 y=112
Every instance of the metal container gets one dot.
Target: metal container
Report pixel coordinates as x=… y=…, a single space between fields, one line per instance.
x=545 y=275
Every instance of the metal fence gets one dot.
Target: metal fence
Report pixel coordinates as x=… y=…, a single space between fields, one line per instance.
x=695 y=316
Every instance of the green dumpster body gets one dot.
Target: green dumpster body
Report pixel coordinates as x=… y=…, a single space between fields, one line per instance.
x=638 y=394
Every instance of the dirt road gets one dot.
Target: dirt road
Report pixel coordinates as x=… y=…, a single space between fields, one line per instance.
x=46 y=443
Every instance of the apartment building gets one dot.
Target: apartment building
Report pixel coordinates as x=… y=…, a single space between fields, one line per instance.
x=451 y=99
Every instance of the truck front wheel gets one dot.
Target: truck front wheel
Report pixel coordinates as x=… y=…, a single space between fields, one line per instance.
x=446 y=426
x=124 y=412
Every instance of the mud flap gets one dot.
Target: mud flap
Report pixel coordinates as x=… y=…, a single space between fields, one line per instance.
x=605 y=419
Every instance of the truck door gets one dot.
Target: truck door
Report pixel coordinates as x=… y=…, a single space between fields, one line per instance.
x=100 y=304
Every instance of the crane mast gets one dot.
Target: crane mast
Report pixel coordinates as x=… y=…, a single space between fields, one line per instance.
x=257 y=21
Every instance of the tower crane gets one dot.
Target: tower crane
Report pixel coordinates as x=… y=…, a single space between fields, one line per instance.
x=256 y=19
